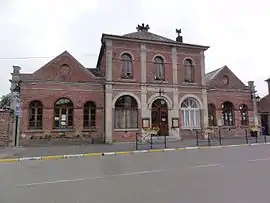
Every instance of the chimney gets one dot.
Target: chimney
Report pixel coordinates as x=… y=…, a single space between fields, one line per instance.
x=179 y=38
x=268 y=82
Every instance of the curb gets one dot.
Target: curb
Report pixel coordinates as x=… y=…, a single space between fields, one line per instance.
x=57 y=157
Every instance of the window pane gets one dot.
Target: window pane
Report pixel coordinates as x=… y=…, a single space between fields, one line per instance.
x=70 y=118
x=93 y=120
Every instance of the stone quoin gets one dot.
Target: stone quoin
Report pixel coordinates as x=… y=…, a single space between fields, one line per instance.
x=141 y=80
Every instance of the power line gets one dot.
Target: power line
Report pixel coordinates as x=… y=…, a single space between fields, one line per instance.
x=40 y=57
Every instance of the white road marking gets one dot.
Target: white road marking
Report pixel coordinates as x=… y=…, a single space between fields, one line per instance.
x=260 y=159
x=208 y=165
x=91 y=178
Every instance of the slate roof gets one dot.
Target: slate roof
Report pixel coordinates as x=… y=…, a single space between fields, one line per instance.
x=147 y=36
x=209 y=76
x=96 y=72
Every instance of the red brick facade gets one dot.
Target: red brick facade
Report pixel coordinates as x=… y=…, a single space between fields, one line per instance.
x=65 y=77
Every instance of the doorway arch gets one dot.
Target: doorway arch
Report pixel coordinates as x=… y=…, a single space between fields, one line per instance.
x=159 y=116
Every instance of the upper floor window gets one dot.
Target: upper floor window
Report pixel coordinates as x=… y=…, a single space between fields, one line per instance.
x=89 y=115
x=35 y=115
x=159 y=70
x=227 y=113
x=244 y=114
x=63 y=113
x=126 y=66
x=189 y=71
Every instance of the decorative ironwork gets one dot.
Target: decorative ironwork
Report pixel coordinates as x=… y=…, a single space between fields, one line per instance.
x=149 y=139
x=143 y=27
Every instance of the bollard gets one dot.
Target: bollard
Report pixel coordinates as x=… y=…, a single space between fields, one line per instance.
x=265 y=140
x=246 y=136
x=208 y=137
x=197 y=138
x=151 y=141
x=256 y=137
x=219 y=136
x=165 y=141
x=136 y=144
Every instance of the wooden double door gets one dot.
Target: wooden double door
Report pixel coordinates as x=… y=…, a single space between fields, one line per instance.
x=160 y=117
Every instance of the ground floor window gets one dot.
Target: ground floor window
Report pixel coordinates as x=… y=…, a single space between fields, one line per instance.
x=190 y=114
x=126 y=113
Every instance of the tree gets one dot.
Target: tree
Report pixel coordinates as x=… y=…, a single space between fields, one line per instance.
x=5 y=101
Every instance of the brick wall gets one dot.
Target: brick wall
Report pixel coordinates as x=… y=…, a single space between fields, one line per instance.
x=5 y=130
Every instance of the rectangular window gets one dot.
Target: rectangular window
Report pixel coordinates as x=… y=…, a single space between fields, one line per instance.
x=244 y=118
x=126 y=119
x=63 y=118
x=191 y=119
x=35 y=118
x=89 y=117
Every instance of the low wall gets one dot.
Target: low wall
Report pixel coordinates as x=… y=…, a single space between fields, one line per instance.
x=5 y=127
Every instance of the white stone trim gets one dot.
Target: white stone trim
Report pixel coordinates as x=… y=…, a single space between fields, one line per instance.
x=129 y=94
x=193 y=61
x=156 y=96
x=191 y=96
x=174 y=65
x=126 y=52
x=159 y=55
x=143 y=63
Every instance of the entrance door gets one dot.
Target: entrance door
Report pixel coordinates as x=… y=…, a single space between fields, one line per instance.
x=160 y=116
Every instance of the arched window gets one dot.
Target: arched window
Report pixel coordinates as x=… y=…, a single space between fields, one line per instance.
x=159 y=70
x=127 y=69
x=189 y=71
x=190 y=112
x=126 y=113
x=89 y=115
x=212 y=115
x=244 y=114
x=227 y=113
x=63 y=113
x=35 y=115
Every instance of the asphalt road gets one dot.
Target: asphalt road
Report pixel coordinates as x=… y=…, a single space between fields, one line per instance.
x=239 y=174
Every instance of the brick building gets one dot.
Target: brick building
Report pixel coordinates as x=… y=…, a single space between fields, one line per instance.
x=264 y=111
x=141 y=80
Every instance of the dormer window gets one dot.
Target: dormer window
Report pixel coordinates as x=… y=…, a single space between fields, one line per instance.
x=189 y=71
x=159 y=70
x=126 y=66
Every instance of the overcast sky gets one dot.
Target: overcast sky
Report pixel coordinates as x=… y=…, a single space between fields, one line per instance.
x=237 y=31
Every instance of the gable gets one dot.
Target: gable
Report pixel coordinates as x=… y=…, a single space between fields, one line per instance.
x=264 y=106
x=224 y=78
x=64 y=68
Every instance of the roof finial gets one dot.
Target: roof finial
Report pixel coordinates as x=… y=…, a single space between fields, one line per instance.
x=179 y=38
x=178 y=31
x=143 y=27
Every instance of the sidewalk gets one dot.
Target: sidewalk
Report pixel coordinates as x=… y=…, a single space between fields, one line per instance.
x=91 y=148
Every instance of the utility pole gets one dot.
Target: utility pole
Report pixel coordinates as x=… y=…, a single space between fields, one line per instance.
x=15 y=105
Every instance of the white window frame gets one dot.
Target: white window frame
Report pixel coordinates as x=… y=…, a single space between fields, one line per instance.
x=188 y=113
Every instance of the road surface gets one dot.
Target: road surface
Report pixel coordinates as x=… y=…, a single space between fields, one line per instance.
x=239 y=174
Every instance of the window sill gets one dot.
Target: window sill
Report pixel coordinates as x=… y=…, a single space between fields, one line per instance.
x=89 y=130
x=189 y=83
x=63 y=130
x=34 y=131
x=190 y=128
x=127 y=79
x=126 y=130
x=160 y=81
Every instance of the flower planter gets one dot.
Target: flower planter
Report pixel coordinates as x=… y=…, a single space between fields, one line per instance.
x=253 y=133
